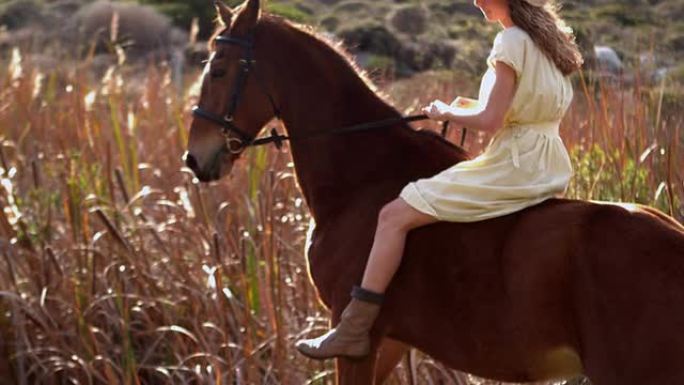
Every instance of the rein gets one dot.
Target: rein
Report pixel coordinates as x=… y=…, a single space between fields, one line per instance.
x=245 y=140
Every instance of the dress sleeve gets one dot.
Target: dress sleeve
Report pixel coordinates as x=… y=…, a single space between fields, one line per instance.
x=510 y=49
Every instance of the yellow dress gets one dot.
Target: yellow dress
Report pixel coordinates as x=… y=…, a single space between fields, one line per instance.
x=525 y=161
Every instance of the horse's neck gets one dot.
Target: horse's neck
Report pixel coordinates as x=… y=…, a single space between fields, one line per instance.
x=323 y=93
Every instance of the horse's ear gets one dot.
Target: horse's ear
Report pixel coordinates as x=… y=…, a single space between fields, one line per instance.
x=224 y=11
x=252 y=12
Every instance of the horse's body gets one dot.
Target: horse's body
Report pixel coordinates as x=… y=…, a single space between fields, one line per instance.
x=528 y=296
x=562 y=288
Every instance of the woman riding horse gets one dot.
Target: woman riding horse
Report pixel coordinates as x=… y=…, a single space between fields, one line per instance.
x=523 y=96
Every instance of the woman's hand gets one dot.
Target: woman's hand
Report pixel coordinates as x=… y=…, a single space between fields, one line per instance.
x=437 y=110
x=440 y=111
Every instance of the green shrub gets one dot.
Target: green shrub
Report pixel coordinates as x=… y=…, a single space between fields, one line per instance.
x=18 y=13
x=380 y=62
x=330 y=23
x=677 y=74
x=411 y=20
x=289 y=12
x=624 y=14
x=183 y=12
x=352 y=7
x=609 y=175
x=372 y=37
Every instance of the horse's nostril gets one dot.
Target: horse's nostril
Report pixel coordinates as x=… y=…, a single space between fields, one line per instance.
x=191 y=162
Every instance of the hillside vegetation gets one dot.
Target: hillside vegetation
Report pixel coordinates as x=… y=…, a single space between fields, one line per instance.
x=402 y=37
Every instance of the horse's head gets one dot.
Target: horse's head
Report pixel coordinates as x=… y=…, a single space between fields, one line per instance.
x=233 y=104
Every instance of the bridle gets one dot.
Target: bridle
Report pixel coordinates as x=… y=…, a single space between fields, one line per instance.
x=245 y=140
x=226 y=122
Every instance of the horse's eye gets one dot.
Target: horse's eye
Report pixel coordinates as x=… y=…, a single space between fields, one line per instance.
x=217 y=73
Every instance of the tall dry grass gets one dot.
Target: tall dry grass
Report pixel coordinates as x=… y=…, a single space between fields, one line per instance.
x=119 y=268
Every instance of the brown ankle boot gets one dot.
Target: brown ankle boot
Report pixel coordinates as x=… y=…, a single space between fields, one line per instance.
x=350 y=336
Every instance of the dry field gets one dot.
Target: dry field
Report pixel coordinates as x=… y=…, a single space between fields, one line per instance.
x=117 y=267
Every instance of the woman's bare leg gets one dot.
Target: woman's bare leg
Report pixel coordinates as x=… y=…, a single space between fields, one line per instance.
x=395 y=220
x=351 y=335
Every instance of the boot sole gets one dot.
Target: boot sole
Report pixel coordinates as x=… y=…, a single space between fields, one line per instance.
x=353 y=358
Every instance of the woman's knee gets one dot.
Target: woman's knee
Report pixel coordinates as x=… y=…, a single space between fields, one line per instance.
x=390 y=214
x=399 y=215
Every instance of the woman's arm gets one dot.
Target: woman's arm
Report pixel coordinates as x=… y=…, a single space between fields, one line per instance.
x=490 y=118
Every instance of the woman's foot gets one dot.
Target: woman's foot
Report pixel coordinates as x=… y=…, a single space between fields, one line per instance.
x=351 y=335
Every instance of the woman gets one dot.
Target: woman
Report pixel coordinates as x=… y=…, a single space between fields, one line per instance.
x=523 y=97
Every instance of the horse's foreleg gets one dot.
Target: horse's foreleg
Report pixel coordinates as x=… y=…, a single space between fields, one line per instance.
x=357 y=371
x=375 y=368
x=389 y=354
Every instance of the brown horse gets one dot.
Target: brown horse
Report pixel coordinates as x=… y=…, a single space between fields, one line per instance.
x=560 y=289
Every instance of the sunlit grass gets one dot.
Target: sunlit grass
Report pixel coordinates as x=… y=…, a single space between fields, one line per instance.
x=118 y=267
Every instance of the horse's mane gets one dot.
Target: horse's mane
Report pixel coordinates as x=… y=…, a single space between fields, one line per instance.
x=326 y=40
x=337 y=46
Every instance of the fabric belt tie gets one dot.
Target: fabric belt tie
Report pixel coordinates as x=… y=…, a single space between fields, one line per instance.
x=550 y=128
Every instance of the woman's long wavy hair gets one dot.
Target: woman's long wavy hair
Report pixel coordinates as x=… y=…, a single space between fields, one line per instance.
x=551 y=34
